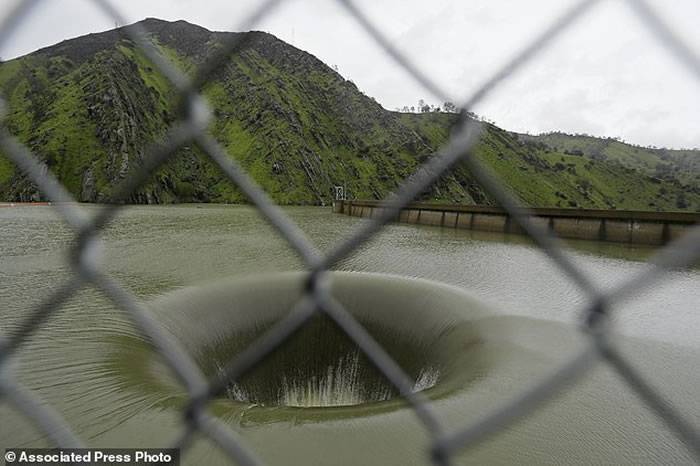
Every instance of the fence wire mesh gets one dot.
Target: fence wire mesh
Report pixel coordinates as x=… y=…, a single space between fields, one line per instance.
x=318 y=299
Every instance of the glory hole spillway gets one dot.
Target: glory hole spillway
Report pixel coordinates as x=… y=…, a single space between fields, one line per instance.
x=318 y=399
x=319 y=373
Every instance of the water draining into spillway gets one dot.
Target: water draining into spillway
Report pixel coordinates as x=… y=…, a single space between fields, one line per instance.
x=342 y=384
x=418 y=325
x=320 y=366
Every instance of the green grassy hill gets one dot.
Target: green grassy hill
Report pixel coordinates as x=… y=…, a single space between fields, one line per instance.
x=681 y=165
x=561 y=176
x=89 y=107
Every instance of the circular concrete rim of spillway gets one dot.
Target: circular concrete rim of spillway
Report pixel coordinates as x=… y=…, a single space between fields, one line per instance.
x=421 y=324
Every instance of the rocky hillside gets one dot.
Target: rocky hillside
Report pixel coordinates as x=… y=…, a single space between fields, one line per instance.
x=89 y=107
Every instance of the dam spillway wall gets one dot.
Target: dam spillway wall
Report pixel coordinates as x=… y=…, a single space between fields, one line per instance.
x=625 y=226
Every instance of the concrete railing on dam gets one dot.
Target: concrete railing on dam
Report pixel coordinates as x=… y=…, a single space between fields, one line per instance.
x=626 y=226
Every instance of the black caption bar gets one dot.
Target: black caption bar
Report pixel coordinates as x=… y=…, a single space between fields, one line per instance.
x=96 y=456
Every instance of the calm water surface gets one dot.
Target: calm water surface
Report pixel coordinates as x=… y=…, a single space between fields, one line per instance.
x=73 y=361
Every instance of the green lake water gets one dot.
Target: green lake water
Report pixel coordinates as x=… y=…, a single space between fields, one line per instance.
x=501 y=317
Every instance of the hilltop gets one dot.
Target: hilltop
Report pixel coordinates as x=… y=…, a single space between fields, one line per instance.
x=89 y=106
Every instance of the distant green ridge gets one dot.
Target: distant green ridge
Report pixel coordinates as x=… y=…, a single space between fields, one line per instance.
x=90 y=106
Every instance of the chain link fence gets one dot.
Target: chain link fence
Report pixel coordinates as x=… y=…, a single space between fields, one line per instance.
x=192 y=129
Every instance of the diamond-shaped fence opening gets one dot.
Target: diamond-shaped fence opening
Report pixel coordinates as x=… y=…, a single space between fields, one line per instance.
x=317 y=298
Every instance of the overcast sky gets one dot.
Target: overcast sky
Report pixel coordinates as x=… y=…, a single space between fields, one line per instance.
x=605 y=76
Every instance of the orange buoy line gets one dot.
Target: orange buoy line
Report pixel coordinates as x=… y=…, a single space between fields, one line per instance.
x=23 y=204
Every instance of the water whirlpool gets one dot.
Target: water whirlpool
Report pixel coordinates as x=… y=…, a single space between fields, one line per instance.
x=318 y=399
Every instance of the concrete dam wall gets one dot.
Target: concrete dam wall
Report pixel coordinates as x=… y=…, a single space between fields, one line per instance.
x=639 y=227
